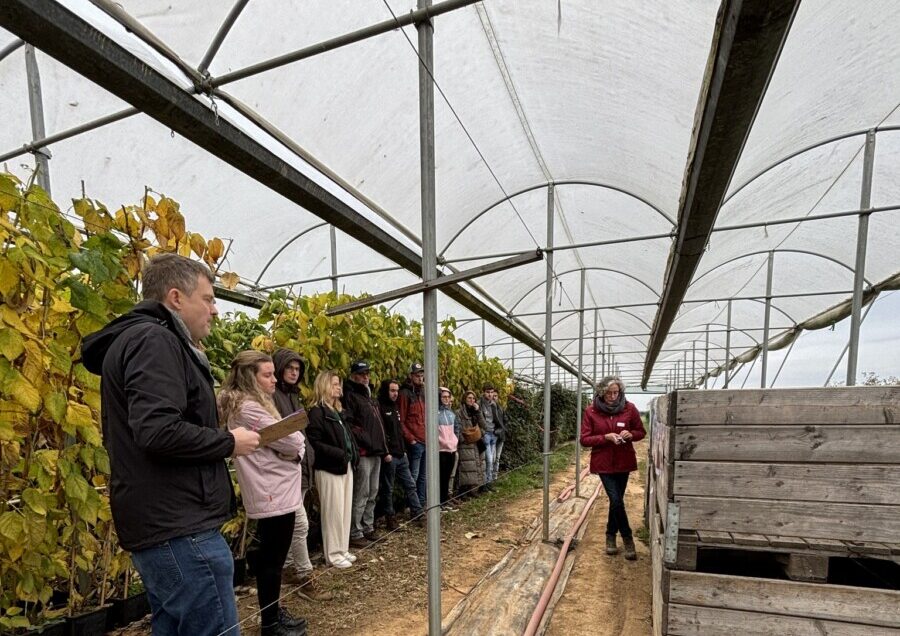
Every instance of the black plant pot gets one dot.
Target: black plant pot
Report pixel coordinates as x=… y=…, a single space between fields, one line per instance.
x=52 y=628
x=134 y=608
x=92 y=623
x=240 y=571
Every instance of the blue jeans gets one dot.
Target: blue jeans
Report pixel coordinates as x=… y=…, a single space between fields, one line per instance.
x=416 y=454
x=398 y=467
x=189 y=583
x=490 y=448
x=617 y=521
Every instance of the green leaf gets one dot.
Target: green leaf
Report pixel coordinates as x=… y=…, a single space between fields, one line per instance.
x=11 y=344
x=101 y=460
x=9 y=276
x=93 y=264
x=76 y=488
x=85 y=298
x=55 y=403
x=9 y=192
x=60 y=357
x=11 y=526
x=35 y=500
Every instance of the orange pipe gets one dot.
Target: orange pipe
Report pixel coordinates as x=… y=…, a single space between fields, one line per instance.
x=557 y=569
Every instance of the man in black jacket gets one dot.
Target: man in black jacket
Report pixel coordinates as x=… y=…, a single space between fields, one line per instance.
x=169 y=489
x=361 y=413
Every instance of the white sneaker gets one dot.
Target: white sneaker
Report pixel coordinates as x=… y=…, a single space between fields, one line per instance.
x=342 y=564
x=350 y=557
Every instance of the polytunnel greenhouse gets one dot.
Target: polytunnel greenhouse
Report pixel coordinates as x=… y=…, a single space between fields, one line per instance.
x=678 y=194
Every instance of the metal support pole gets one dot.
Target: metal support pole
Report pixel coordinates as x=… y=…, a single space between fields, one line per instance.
x=693 y=362
x=677 y=372
x=727 y=344
x=594 y=367
x=859 y=271
x=334 y=262
x=706 y=360
x=429 y=319
x=36 y=105
x=603 y=354
x=765 y=339
x=548 y=351
x=512 y=359
x=483 y=339
x=578 y=390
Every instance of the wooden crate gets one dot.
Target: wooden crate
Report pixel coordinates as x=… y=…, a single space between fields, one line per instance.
x=808 y=474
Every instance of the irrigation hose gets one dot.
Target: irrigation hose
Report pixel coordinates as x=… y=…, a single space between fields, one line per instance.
x=550 y=587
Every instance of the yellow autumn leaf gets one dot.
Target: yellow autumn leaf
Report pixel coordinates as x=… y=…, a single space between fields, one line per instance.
x=11 y=318
x=165 y=206
x=34 y=366
x=229 y=280
x=149 y=202
x=79 y=415
x=9 y=276
x=198 y=244
x=22 y=391
x=11 y=344
x=176 y=224
x=214 y=249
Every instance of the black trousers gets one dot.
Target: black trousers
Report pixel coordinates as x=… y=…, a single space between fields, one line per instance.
x=274 y=535
x=447 y=459
x=614 y=484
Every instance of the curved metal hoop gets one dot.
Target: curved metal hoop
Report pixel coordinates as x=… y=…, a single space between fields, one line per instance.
x=561 y=182
x=777 y=251
x=578 y=269
x=285 y=246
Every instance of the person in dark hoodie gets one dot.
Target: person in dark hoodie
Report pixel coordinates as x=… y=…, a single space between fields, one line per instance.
x=361 y=413
x=289 y=368
x=396 y=463
x=169 y=486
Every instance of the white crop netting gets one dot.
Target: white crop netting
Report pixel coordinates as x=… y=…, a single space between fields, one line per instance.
x=597 y=97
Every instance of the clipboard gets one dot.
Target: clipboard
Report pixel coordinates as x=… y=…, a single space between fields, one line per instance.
x=282 y=428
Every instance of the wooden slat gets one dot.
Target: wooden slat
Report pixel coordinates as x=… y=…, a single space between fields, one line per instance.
x=828 y=544
x=714 y=537
x=797 y=482
x=852 y=405
x=686 y=620
x=788 y=598
x=741 y=538
x=660 y=576
x=868 y=547
x=796 y=543
x=811 y=521
x=805 y=567
x=866 y=444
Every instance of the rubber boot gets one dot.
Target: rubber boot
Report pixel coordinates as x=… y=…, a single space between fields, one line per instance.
x=630 y=552
x=611 y=547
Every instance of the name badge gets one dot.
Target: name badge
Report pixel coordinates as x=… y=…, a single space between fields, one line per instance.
x=620 y=424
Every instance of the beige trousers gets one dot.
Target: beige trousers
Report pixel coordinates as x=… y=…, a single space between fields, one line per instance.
x=336 y=502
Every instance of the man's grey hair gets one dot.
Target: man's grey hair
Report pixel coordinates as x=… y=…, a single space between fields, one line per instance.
x=171 y=271
x=608 y=381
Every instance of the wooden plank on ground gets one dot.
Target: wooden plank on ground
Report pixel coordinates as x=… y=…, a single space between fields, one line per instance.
x=867 y=444
x=849 y=405
x=815 y=522
x=787 y=598
x=839 y=483
x=687 y=620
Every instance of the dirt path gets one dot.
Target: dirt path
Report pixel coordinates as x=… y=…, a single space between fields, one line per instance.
x=607 y=596
x=386 y=591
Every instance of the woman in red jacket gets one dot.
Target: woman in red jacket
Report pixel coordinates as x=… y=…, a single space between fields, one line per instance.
x=610 y=426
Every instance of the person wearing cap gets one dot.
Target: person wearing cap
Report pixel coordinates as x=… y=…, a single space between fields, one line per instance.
x=289 y=368
x=494 y=431
x=412 y=421
x=610 y=426
x=361 y=414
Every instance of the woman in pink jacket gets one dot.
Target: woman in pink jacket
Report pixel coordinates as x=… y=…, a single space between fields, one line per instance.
x=609 y=427
x=269 y=479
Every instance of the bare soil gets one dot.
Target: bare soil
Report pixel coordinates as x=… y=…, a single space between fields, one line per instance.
x=386 y=590
x=607 y=595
